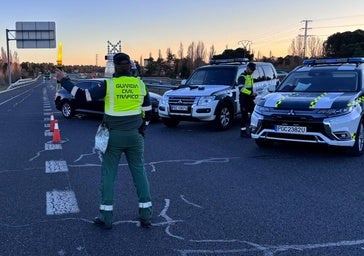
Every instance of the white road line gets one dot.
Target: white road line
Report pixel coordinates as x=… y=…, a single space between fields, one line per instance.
x=61 y=202
x=56 y=166
x=49 y=146
x=57 y=202
x=48 y=133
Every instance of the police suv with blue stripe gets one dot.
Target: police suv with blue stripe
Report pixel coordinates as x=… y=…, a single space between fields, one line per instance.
x=321 y=101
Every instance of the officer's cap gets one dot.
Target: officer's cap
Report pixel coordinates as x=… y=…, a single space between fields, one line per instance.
x=121 y=59
x=252 y=66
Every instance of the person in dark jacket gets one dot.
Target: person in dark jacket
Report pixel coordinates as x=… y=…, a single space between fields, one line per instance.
x=128 y=111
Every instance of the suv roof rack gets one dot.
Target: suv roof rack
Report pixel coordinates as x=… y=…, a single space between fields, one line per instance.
x=224 y=61
x=352 y=60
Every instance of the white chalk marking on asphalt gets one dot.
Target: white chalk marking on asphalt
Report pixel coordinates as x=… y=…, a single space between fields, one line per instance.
x=193 y=162
x=61 y=202
x=170 y=221
x=153 y=164
x=47 y=125
x=36 y=155
x=268 y=250
x=84 y=155
x=56 y=166
x=48 y=146
x=188 y=202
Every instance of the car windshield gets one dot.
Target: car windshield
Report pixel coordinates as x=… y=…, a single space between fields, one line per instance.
x=328 y=80
x=213 y=76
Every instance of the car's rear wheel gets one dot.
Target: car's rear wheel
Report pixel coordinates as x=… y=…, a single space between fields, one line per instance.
x=67 y=110
x=224 y=117
x=170 y=122
x=357 y=149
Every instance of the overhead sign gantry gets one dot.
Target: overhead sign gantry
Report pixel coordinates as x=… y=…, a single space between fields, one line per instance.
x=31 y=34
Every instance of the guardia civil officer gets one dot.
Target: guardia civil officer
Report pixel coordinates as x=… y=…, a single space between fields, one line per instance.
x=127 y=112
x=246 y=97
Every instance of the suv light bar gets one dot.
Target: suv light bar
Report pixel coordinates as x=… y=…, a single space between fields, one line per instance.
x=220 y=61
x=353 y=60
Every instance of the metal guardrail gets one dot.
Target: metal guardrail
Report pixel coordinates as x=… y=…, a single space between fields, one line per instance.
x=22 y=82
x=159 y=88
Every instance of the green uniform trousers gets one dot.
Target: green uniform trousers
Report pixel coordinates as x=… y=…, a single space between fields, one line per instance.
x=131 y=143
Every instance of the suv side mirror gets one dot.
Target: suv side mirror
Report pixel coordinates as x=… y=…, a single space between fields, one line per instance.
x=271 y=88
x=184 y=81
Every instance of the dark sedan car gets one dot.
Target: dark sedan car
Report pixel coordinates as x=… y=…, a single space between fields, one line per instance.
x=66 y=103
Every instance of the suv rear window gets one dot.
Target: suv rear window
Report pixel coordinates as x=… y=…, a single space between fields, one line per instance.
x=320 y=81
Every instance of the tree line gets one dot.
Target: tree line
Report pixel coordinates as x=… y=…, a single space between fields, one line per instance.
x=182 y=64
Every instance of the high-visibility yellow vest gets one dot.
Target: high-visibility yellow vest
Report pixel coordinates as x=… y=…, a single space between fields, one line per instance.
x=248 y=85
x=124 y=96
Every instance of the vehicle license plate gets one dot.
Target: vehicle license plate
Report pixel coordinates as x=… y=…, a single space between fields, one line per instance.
x=290 y=129
x=179 y=107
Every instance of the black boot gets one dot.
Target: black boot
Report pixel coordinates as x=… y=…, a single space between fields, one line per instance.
x=243 y=133
x=145 y=223
x=100 y=223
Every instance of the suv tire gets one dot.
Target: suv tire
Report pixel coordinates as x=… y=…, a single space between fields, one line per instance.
x=67 y=110
x=357 y=149
x=170 y=122
x=224 y=117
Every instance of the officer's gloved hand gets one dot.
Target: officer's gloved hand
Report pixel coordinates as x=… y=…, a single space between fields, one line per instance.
x=142 y=128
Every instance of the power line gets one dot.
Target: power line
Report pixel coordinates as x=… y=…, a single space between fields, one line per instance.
x=352 y=25
x=341 y=17
x=305 y=36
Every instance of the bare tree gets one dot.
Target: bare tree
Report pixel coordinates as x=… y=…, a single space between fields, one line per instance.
x=259 y=56
x=15 y=66
x=200 y=51
x=168 y=52
x=212 y=52
x=191 y=55
x=180 y=51
x=315 y=46
x=191 y=51
x=296 y=48
x=4 y=59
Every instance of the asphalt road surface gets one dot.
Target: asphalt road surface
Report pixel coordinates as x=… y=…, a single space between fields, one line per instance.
x=214 y=193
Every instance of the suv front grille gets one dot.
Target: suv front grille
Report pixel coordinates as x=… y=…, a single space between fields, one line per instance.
x=312 y=124
x=181 y=104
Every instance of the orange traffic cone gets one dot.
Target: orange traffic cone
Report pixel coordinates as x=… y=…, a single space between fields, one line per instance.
x=51 y=126
x=56 y=133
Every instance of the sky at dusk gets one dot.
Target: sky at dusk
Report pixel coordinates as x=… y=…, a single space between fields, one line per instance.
x=146 y=26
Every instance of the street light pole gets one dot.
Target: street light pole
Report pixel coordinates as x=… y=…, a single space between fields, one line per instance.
x=8 y=53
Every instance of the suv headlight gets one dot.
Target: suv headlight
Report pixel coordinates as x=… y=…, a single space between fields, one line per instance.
x=261 y=109
x=336 y=111
x=205 y=100
x=164 y=100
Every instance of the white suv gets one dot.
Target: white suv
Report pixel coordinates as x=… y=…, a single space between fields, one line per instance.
x=212 y=93
x=321 y=102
